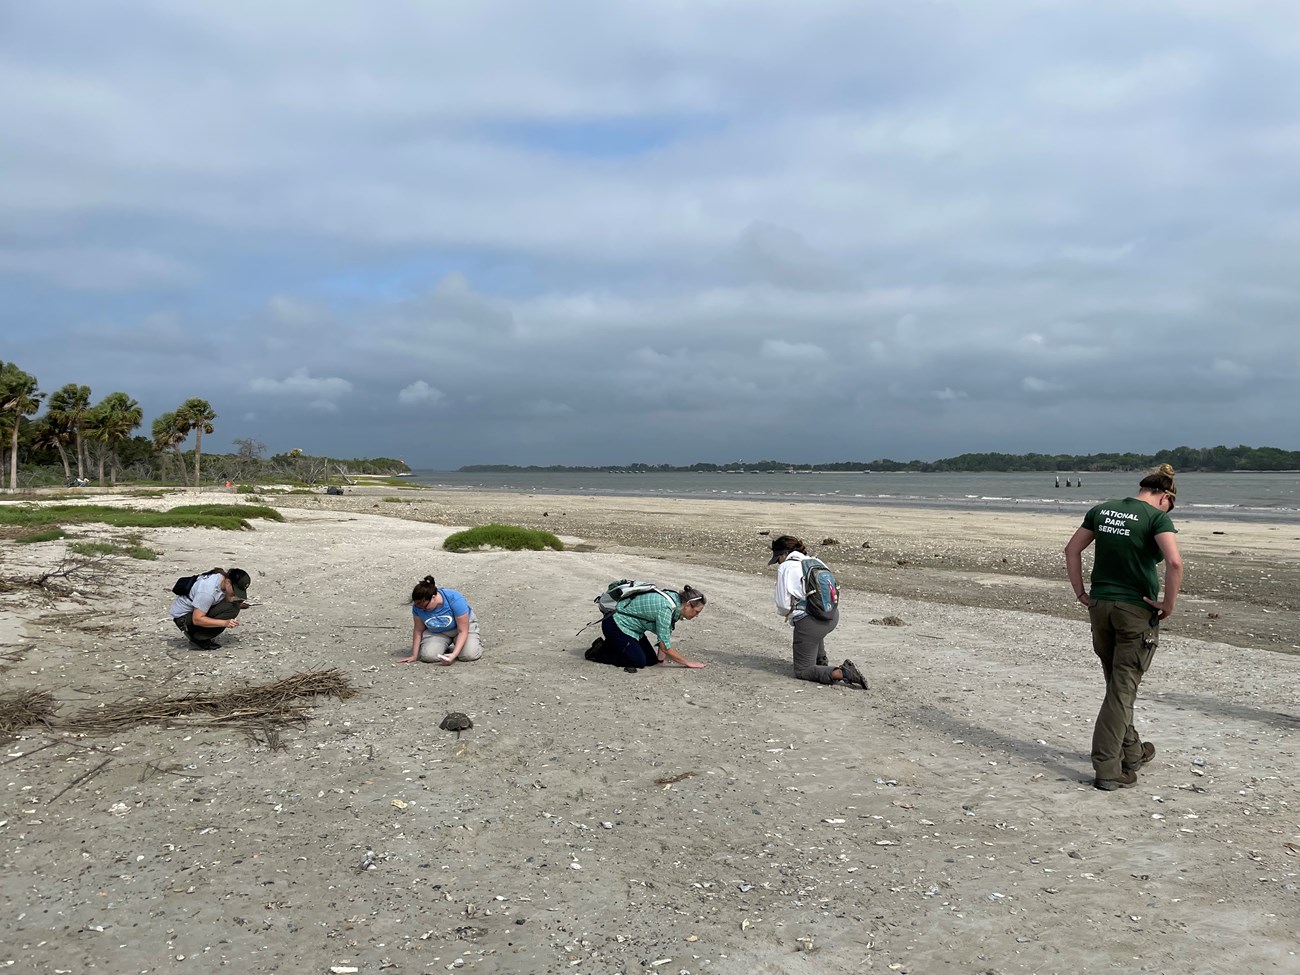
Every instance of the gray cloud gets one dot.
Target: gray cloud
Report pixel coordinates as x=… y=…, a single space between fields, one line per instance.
x=961 y=227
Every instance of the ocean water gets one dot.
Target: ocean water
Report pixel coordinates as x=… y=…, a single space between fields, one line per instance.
x=1266 y=496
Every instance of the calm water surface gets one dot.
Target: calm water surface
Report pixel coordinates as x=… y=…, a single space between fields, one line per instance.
x=1274 y=497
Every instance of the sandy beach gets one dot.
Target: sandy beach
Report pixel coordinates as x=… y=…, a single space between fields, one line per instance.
x=726 y=820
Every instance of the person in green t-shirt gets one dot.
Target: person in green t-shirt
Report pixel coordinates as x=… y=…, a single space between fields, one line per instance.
x=1133 y=536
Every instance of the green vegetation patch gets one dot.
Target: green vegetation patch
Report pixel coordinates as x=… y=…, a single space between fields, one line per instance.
x=49 y=535
x=510 y=537
x=131 y=551
x=231 y=517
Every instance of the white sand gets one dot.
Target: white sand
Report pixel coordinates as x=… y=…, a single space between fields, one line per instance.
x=943 y=821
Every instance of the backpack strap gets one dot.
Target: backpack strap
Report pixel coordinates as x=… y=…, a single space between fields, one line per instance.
x=634 y=615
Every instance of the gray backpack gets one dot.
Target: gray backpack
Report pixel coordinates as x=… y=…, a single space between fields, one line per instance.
x=622 y=589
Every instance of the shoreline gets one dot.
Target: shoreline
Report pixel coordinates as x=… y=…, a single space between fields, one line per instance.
x=1281 y=515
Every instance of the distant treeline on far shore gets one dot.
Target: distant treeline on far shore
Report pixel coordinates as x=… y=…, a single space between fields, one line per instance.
x=1181 y=458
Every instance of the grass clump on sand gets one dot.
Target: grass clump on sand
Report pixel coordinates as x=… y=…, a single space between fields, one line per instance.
x=49 y=535
x=510 y=537
x=134 y=551
x=231 y=517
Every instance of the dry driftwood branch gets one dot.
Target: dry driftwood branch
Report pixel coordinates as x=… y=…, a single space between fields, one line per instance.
x=19 y=758
x=72 y=573
x=256 y=707
x=81 y=778
x=84 y=570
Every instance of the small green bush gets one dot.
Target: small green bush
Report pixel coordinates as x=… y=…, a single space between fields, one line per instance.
x=49 y=535
x=133 y=550
x=510 y=537
x=245 y=489
x=396 y=500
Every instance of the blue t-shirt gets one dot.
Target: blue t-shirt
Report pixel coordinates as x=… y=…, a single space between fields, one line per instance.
x=443 y=619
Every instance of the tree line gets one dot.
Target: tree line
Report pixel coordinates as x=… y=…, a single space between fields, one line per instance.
x=99 y=437
x=1240 y=458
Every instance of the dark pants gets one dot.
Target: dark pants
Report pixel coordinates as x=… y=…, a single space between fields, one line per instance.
x=622 y=650
x=810 y=648
x=1125 y=641
x=224 y=610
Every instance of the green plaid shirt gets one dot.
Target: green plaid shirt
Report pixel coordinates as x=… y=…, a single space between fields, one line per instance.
x=649 y=611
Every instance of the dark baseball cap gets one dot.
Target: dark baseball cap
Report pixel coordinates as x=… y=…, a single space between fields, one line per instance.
x=239 y=580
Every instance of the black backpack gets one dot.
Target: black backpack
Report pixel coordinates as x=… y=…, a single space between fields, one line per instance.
x=184 y=584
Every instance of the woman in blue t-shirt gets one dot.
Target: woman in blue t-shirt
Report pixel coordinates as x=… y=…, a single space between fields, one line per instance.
x=445 y=628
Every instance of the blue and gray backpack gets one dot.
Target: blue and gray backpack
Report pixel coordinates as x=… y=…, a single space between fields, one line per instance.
x=821 y=591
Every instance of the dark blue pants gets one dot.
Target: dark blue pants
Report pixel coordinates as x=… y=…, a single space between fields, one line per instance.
x=622 y=650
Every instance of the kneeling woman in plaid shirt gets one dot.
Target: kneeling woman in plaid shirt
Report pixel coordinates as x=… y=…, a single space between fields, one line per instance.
x=625 y=644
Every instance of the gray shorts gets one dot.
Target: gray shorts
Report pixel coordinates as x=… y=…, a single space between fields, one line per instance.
x=434 y=645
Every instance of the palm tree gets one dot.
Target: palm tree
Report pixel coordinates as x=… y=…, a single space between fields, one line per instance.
x=45 y=433
x=168 y=434
x=67 y=409
x=110 y=422
x=197 y=415
x=19 y=397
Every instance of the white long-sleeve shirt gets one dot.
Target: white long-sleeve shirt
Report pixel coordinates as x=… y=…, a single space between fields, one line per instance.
x=789 y=588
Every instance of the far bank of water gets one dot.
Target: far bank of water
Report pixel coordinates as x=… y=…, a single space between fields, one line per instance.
x=1262 y=496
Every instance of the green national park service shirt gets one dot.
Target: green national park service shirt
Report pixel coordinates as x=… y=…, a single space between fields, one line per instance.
x=1124 y=565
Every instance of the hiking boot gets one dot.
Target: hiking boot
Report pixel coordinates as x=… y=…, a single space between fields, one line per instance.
x=1126 y=780
x=597 y=645
x=1148 y=753
x=851 y=674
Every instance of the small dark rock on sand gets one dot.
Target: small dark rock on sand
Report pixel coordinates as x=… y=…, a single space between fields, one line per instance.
x=457 y=722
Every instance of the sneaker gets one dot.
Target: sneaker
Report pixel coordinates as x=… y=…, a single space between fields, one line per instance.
x=852 y=675
x=1126 y=780
x=597 y=645
x=206 y=645
x=1148 y=753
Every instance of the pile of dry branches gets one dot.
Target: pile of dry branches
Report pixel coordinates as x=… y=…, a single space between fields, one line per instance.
x=258 y=710
x=24 y=709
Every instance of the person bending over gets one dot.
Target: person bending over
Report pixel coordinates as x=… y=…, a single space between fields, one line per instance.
x=809 y=632
x=624 y=642
x=211 y=606
x=445 y=628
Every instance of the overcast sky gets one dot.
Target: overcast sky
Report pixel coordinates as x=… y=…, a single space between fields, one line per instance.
x=599 y=232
